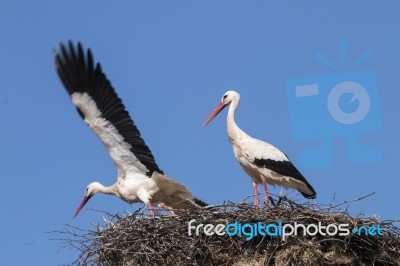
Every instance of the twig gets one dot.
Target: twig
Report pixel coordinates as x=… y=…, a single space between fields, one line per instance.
x=350 y=201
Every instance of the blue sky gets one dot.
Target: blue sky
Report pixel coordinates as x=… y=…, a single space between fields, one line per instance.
x=170 y=62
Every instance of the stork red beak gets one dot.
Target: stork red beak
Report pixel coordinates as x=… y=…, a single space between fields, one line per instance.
x=216 y=111
x=84 y=201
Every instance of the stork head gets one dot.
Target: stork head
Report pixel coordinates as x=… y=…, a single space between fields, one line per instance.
x=91 y=189
x=227 y=98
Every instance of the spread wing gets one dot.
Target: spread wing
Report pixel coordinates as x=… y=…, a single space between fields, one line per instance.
x=102 y=109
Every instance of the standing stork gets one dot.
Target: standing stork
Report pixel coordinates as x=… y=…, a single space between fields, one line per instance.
x=139 y=177
x=263 y=162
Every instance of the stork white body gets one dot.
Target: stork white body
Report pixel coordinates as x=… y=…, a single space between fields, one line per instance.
x=139 y=177
x=263 y=162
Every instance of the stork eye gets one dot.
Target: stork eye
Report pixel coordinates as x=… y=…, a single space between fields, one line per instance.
x=226 y=95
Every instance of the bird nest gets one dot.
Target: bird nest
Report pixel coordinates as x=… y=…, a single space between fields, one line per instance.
x=140 y=239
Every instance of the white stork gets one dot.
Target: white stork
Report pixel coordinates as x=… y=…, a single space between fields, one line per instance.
x=139 y=178
x=263 y=162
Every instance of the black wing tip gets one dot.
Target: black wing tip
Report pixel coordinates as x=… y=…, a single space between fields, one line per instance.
x=313 y=194
x=69 y=50
x=66 y=59
x=66 y=46
x=200 y=202
x=71 y=44
x=307 y=196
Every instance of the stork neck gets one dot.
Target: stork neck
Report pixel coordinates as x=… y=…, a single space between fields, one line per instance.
x=111 y=190
x=234 y=131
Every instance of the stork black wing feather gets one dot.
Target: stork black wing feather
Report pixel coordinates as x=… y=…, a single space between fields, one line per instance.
x=286 y=168
x=79 y=73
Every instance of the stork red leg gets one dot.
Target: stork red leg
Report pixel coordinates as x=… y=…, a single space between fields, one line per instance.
x=266 y=200
x=256 y=202
x=151 y=209
x=166 y=207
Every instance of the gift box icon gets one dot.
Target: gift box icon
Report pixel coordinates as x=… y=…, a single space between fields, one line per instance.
x=343 y=104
